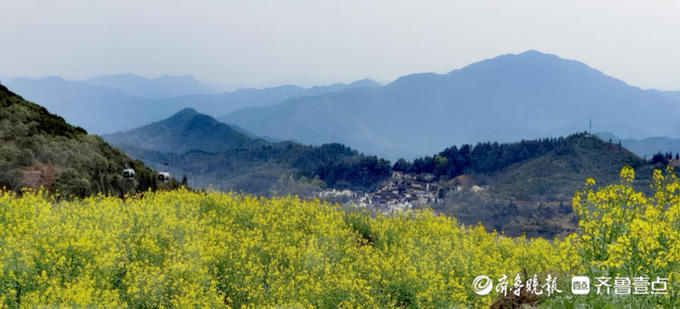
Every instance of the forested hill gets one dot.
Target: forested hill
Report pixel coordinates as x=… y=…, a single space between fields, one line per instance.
x=213 y=154
x=38 y=148
x=185 y=131
x=587 y=151
x=525 y=187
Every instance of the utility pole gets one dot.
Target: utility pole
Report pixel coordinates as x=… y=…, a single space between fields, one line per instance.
x=590 y=127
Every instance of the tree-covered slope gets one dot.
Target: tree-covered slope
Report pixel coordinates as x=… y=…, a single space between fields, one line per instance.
x=213 y=154
x=272 y=169
x=38 y=148
x=185 y=131
x=526 y=187
x=562 y=170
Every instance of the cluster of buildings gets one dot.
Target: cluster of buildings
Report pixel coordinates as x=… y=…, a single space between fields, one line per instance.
x=403 y=191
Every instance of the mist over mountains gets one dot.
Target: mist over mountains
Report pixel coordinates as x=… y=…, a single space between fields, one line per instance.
x=645 y=147
x=222 y=104
x=161 y=87
x=121 y=102
x=507 y=98
x=95 y=108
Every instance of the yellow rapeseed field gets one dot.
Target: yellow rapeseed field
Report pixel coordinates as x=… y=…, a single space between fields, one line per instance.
x=182 y=248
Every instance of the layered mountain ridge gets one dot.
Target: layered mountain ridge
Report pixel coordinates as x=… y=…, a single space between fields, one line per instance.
x=122 y=102
x=507 y=98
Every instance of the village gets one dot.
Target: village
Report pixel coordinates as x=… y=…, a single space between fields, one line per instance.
x=401 y=192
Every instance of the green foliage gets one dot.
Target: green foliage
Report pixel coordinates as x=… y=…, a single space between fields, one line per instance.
x=524 y=196
x=35 y=117
x=40 y=149
x=486 y=158
x=259 y=168
x=216 y=154
x=627 y=233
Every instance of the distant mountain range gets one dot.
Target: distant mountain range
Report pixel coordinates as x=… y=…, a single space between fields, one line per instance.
x=222 y=104
x=97 y=109
x=507 y=98
x=162 y=87
x=645 y=147
x=115 y=103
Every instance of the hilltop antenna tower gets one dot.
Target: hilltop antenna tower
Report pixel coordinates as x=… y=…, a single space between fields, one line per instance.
x=590 y=127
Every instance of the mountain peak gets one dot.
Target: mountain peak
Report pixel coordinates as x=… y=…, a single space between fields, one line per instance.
x=533 y=52
x=184 y=131
x=534 y=55
x=183 y=116
x=530 y=57
x=506 y=98
x=186 y=112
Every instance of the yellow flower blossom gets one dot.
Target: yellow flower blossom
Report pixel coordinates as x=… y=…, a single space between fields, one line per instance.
x=189 y=249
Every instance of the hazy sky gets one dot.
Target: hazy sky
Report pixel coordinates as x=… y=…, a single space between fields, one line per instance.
x=263 y=43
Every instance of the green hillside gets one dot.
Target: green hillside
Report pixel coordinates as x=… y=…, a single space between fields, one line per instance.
x=213 y=154
x=533 y=194
x=38 y=148
x=561 y=171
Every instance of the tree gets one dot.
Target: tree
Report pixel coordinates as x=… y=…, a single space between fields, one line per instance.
x=401 y=166
x=184 y=180
x=659 y=158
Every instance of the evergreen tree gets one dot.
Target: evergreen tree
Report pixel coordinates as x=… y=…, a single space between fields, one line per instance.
x=401 y=165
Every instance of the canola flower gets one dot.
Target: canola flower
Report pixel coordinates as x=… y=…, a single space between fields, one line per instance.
x=188 y=249
x=626 y=233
